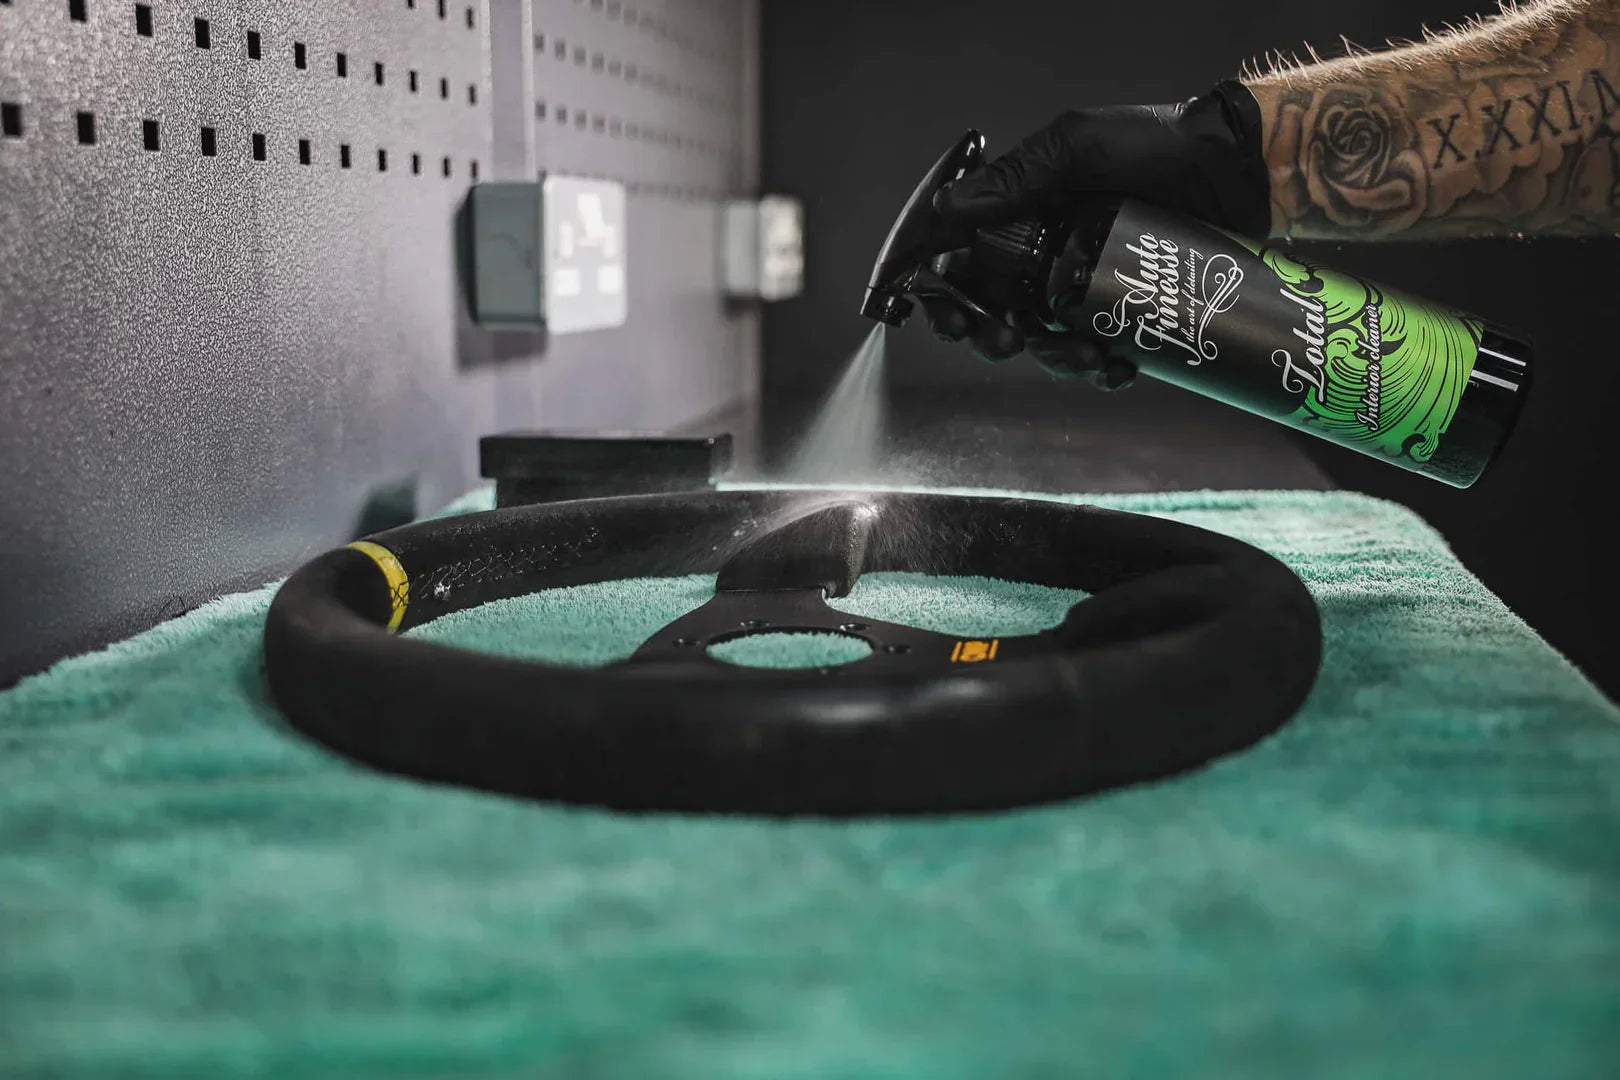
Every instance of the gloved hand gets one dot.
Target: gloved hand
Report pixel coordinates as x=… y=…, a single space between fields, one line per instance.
x=1201 y=157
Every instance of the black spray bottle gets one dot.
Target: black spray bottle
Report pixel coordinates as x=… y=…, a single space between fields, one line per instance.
x=1372 y=368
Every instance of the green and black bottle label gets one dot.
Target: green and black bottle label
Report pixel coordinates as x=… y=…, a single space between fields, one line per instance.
x=1365 y=366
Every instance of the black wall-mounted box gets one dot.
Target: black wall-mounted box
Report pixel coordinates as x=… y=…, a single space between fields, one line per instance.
x=551 y=466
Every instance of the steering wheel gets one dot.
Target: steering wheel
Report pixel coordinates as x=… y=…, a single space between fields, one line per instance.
x=1191 y=645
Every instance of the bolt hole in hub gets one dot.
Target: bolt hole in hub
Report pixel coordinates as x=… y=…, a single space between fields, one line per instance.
x=787 y=649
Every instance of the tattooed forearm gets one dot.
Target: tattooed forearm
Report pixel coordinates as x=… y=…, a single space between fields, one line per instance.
x=1511 y=126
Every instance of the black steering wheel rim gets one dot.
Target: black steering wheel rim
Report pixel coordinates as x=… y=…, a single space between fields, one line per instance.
x=1192 y=645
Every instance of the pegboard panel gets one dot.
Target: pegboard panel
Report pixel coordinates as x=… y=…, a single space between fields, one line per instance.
x=650 y=93
x=230 y=320
x=228 y=308
x=661 y=96
x=395 y=82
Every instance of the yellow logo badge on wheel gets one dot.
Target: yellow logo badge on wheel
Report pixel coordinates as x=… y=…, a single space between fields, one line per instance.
x=399 y=584
x=973 y=652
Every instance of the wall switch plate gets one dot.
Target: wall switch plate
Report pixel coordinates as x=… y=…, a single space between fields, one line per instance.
x=763 y=248
x=550 y=254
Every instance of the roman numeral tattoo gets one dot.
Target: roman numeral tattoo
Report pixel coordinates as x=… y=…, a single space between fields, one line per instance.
x=1608 y=100
x=1497 y=122
x=1538 y=111
x=1515 y=129
x=1445 y=139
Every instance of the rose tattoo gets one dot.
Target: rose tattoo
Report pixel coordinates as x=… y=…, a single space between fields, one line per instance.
x=1354 y=161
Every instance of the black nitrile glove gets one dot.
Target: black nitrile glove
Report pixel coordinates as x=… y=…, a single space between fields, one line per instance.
x=1200 y=157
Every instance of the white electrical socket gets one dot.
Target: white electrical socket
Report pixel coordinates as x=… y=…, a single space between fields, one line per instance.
x=583 y=230
x=551 y=254
x=763 y=248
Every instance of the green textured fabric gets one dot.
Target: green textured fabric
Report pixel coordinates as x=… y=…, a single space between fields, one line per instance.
x=1419 y=877
x=791 y=650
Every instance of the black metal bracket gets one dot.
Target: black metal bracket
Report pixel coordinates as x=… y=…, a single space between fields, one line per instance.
x=531 y=467
x=780 y=583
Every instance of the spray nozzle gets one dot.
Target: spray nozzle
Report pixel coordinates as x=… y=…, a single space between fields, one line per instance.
x=992 y=273
x=904 y=264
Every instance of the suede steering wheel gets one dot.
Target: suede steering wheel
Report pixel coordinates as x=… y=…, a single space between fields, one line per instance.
x=1191 y=645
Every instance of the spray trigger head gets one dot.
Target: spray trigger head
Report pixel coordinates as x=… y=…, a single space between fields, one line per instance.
x=903 y=267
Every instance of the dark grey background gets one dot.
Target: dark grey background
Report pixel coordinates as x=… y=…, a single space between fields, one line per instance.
x=212 y=368
x=860 y=96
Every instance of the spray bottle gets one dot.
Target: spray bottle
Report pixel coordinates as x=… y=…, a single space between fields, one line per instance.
x=1368 y=367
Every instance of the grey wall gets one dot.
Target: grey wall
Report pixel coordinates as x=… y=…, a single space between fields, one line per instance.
x=213 y=367
x=861 y=95
x=660 y=97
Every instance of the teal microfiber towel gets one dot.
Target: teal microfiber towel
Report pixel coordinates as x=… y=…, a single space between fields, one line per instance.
x=1418 y=877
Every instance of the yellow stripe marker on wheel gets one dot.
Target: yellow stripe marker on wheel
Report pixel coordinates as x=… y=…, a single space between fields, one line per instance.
x=399 y=584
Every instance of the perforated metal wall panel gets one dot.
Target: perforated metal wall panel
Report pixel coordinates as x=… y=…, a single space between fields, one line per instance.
x=229 y=314
x=647 y=94
x=662 y=97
